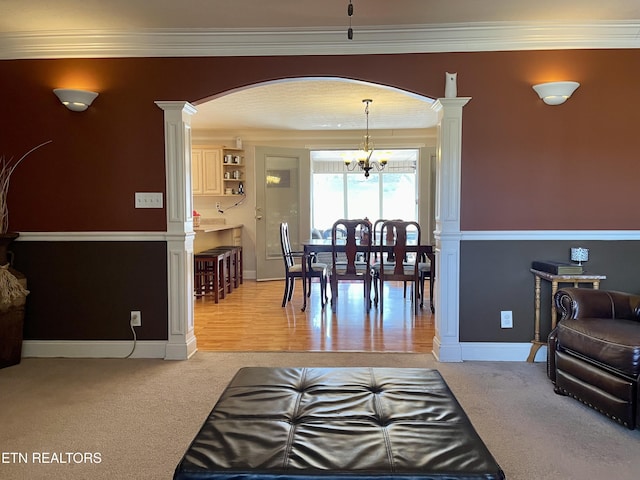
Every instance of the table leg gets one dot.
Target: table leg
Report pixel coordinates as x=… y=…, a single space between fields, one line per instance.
x=554 y=289
x=536 y=338
x=304 y=279
x=537 y=314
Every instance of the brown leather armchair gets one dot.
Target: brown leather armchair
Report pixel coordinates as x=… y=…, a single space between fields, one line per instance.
x=594 y=351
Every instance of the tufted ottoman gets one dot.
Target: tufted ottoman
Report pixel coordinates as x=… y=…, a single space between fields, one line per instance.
x=337 y=423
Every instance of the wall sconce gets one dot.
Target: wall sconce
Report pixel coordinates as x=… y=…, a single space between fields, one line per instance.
x=579 y=254
x=555 y=93
x=76 y=100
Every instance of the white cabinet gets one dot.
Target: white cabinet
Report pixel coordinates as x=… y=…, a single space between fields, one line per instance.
x=217 y=171
x=206 y=171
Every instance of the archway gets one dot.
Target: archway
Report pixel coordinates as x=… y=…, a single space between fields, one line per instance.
x=181 y=343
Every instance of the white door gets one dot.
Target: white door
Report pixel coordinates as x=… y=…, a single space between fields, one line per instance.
x=283 y=181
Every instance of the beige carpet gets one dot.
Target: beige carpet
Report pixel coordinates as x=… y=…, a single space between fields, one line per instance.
x=137 y=417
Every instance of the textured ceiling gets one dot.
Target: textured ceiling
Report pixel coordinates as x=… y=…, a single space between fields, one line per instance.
x=316 y=105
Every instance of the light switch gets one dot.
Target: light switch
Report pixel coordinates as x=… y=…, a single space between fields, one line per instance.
x=148 y=200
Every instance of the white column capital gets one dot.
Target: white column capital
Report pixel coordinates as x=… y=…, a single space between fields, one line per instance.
x=447 y=105
x=177 y=106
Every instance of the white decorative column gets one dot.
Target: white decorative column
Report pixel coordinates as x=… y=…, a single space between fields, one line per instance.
x=181 y=342
x=446 y=343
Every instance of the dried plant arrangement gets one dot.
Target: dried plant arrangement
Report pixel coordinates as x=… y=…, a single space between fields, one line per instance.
x=7 y=167
x=12 y=290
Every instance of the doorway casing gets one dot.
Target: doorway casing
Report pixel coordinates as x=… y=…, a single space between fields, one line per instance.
x=181 y=342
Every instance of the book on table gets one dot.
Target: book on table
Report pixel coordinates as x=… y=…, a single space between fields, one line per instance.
x=557 y=268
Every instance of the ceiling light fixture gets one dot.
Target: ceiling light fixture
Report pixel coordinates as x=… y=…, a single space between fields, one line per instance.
x=75 y=100
x=363 y=156
x=555 y=93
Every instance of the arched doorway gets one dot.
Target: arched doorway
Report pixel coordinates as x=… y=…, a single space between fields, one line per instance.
x=181 y=342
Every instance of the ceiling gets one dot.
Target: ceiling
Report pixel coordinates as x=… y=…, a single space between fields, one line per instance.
x=98 y=28
x=318 y=105
x=66 y=15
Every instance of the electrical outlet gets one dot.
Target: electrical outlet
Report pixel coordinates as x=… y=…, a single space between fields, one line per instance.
x=136 y=318
x=217 y=205
x=506 y=319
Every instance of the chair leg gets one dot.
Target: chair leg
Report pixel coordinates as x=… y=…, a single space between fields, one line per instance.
x=292 y=286
x=334 y=292
x=323 y=291
x=326 y=282
x=286 y=291
x=431 y=280
x=376 y=280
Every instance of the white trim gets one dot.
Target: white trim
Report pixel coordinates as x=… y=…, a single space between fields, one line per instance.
x=500 y=352
x=471 y=351
x=446 y=342
x=451 y=37
x=93 y=349
x=464 y=235
x=177 y=150
x=96 y=236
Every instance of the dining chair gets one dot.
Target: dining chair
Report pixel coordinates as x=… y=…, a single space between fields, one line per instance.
x=293 y=269
x=351 y=256
x=397 y=262
x=377 y=238
x=427 y=270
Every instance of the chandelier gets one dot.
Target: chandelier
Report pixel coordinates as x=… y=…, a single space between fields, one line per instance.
x=365 y=153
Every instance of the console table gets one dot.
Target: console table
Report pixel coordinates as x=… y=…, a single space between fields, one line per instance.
x=576 y=279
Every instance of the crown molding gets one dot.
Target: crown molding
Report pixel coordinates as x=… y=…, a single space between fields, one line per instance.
x=481 y=36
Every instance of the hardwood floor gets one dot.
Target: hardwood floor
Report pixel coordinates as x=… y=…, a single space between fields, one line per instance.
x=251 y=319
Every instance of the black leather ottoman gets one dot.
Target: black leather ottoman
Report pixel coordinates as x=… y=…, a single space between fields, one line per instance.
x=337 y=423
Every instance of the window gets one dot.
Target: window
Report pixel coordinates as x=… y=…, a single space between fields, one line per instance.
x=339 y=193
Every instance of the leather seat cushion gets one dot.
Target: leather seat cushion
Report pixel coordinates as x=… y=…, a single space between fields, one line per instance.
x=612 y=342
x=337 y=423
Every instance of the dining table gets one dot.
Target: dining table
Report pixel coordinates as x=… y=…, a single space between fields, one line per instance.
x=314 y=246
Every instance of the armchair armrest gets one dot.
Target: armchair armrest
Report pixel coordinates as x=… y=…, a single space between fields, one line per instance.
x=589 y=303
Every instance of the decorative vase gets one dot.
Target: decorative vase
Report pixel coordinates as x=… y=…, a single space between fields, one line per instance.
x=12 y=314
x=450 y=85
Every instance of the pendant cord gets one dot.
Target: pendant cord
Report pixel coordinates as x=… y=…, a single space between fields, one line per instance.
x=350 y=14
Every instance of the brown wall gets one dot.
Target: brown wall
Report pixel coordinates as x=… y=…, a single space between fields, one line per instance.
x=522 y=159
x=525 y=165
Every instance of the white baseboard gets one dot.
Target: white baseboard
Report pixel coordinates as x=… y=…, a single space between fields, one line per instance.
x=93 y=349
x=471 y=351
x=500 y=352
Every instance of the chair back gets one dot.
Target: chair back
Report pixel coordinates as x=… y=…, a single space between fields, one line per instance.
x=377 y=234
x=285 y=243
x=398 y=235
x=356 y=232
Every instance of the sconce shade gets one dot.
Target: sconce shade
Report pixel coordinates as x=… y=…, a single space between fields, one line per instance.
x=76 y=100
x=555 y=93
